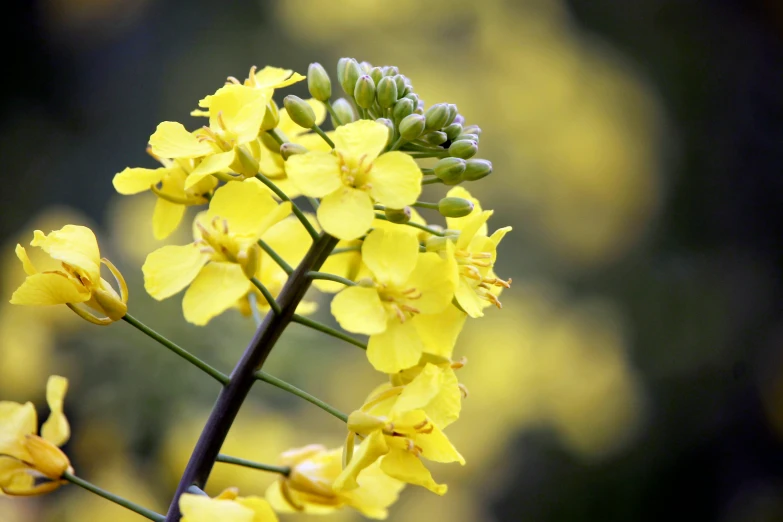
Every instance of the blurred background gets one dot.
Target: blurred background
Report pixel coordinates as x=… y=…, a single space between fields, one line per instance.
x=636 y=370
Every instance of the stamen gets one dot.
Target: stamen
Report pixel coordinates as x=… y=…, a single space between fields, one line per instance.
x=464 y=390
x=233 y=80
x=459 y=363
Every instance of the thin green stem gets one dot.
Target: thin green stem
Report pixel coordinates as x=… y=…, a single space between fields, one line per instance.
x=275 y=256
x=267 y=295
x=332 y=112
x=424 y=204
x=276 y=135
x=315 y=325
x=253 y=298
x=323 y=135
x=290 y=388
x=416 y=225
x=418 y=147
x=228 y=459
x=296 y=210
x=396 y=145
x=422 y=155
x=192 y=359
x=127 y=504
x=430 y=181
x=313 y=203
x=343 y=250
x=325 y=276
x=427 y=171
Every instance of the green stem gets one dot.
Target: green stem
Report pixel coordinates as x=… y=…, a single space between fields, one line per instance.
x=267 y=295
x=192 y=359
x=343 y=250
x=296 y=210
x=127 y=504
x=396 y=145
x=276 y=135
x=416 y=225
x=323 y=135
x=290 y=388
x=427 y=171
x=313 y=203
x=325 y=276
x=424 y=204
x=315 y=325
x=228 y=459
x=420 y=155
x=430 y=181
x=275 y=256
x=332 y=112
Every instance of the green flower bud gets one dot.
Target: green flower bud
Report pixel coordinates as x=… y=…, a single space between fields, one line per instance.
x=459 y=119
x=449 y=170
x=455 y=207
x=453 y=130
x=390 y=70
x=364 y=93
x=473 y=129
x=411 y=127
x=464 y=136
x=269 y=142
x=435 y=137
x=463 y=149
x=318 y=82
x=402 y=108
x=436 y=116
x=452 y=114
x=344 y=111
x=386 y=92
x=376 y=73
x=366 y=67
x=398 y=215
x=289 y=149
x=419 y=110
x=341 y=63
x=271 y=116
x=390 y=126
x=476 y=169
x=300 y=111
x=401 y=85
x=351 y=76
x=412 y=96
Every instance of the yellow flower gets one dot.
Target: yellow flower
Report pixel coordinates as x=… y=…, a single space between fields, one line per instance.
x=406 y=285
x=173 y=197
x=31 y=464
x=308 y=488
x=79 y=281
x=226 y=507
x=217 y=266
x=354 y=176
x=399 y=432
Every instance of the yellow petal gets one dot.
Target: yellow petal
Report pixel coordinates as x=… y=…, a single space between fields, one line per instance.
x=391 y=255
x=396 y=180
x=445 y=407
x=344 y=264
x=363 y=138
x=45 y=457
x=408 y=468
x=236 y=111
x=210 y=165
x=50 y=288
x=468 y=299
x=439 y=331
x=359 y=310
x=16 y=421
x=316 y=174
x=216 y=289
x=198 y=508
x=473 y=225
x=459 y=223
x=437 y=447
x=498 y=235
x=276 y=78
x=420 y=391
x=247 y=207
x=262 y=511
x=27 y=265
x=435 y=277
x=346 y=213
x=370 y=450
x=376 y=492
x=135 y=180
x=397 y=348
x=171 y=268
x=166 y=218
x=172 y=140
x=75 y=245
x=56 y=429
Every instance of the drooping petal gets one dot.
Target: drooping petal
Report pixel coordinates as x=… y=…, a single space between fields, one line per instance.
x=359 y=310
x=245 y=205
x=198 y=508
x=75 y=245
x=27 y=264
x=316 y=174
x=370 y=450
x=346 y=213
x=276 y=78
x=16 y=421
x=172 y=140
x=435 y=277
x=166 y=218
x=474 y=223
x=390 y=255
x=376 y=492
x=439 y=331
x=210 y=165
x=171 y=268
x=56 y=428
x=438 y=448
x=420 y=391
x=363 y=138
x=468 y=299
x=407 y=467
x=396 y=180
x=135 y=180
x=216 y=289
x=50 y=288
x=397 y=348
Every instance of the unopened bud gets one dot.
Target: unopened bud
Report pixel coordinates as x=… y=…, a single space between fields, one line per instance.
x=364 y=92
x=271 y=116
x=344 y=111
x=389 y=125
x=366 y=67
x=435 y=137
x=453 y=130
x=390 y=70
x=473 y=129
x=350 y=76
x=400 y=81
x=463 y=149
x=402 y=108
x=452 y=114
x=249 y=260
x=398 y=215
x=436 y=116
x=245 y=163
x=455 y=207
x=411 y=127
x=318 y=82
x=386 y=92
x=341 y=63
x=476 y=169
x=459 y=119
x=376 y=73
x=300 y=111
x=269 y=142
x=449 y=170
x=412 y=96
x=45 y=457
x=468 y=136
x=289 y=149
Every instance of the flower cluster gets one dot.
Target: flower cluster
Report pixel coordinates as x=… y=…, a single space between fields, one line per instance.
x=407 y=284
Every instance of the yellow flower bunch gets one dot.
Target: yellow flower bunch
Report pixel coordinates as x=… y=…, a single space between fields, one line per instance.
x=406 y=284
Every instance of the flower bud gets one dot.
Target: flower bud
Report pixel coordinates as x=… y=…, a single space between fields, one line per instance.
x=318 y=82
x=476 y=169
x=463 y=149
x=364 y=93
x=455 y=207
x=459 y=119
x=419 y=110
x=436 y=116
x=363 y=423
x=244 y=163
x=249 y=260
x=399 y=80
x=46 y=458
x=435 y=137
x=411 y=127
x=300 y=111
x=271 y=116
x=452 y=114
x=386 y=92
x=376 y=73
x=269 y=142
x=390 y=126
x=390 y=70
x=341 y=63
x=473 y=129
x=350 y=76
x=402 y=108
x=449 y=170
x=398 y=215
x=366 y=67
x=467 y=136
x=412 y=96
x=289 y=149
x=453 y=130
x=344 y=111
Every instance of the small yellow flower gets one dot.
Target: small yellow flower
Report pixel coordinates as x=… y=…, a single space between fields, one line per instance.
x=78 y=282
x=31 y=464
x=405 y=286
x=354 y=176
x=218 y=265
x=308 y=488
x=226 y=507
